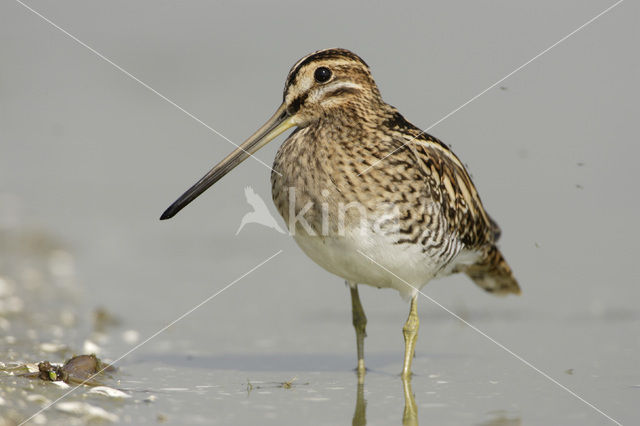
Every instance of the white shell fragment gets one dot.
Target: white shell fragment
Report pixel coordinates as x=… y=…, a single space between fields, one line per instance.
x=107 y=391
x=87 y=410
x=52 y=347
x=151 y=398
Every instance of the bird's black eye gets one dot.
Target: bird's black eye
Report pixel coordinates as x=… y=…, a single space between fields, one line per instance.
x=322 y=74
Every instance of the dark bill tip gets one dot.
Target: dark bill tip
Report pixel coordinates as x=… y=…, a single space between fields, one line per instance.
x=190 y=195
x=168 y=214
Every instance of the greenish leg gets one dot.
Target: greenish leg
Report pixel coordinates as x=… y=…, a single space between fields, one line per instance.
x=410 y=332
x=359 y=323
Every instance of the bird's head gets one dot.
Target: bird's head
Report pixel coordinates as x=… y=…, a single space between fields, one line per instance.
x=326 y=83
x=323 y=84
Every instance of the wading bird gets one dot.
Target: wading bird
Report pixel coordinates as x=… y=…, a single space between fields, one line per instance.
x=368 y=195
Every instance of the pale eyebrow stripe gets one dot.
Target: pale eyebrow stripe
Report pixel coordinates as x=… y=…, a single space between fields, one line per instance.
x=337 y=85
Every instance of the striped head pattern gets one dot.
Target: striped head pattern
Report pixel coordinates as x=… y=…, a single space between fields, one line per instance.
x=326 y=81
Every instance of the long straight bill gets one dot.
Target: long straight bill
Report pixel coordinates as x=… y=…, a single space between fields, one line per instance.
x=277 y=124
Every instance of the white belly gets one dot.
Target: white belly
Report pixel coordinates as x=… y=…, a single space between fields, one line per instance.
x=375 y=260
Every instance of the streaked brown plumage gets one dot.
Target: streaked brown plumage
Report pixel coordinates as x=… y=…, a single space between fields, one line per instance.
x=360 y=149
x=366 y=194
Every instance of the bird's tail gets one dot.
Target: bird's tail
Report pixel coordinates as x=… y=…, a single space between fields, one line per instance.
x=493 y=273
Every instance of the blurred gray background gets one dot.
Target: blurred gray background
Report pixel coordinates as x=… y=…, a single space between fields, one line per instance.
x=93 y=158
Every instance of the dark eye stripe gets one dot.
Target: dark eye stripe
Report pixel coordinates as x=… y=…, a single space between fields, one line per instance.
x=297 y=103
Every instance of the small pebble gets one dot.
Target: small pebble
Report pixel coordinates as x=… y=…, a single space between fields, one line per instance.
x=39 y=419
x=90 y=347
x=32 y=368
x=38 y=398
x=131 y=336
x=61 y=264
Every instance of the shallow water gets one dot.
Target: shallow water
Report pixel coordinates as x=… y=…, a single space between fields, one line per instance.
x=89 y=159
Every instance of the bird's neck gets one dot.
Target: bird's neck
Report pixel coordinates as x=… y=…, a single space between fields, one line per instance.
x=353 y=115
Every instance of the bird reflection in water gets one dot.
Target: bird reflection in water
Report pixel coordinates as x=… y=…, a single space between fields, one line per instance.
x=409 y=415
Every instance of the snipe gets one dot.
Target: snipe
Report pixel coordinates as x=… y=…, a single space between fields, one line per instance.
x=366 y=194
